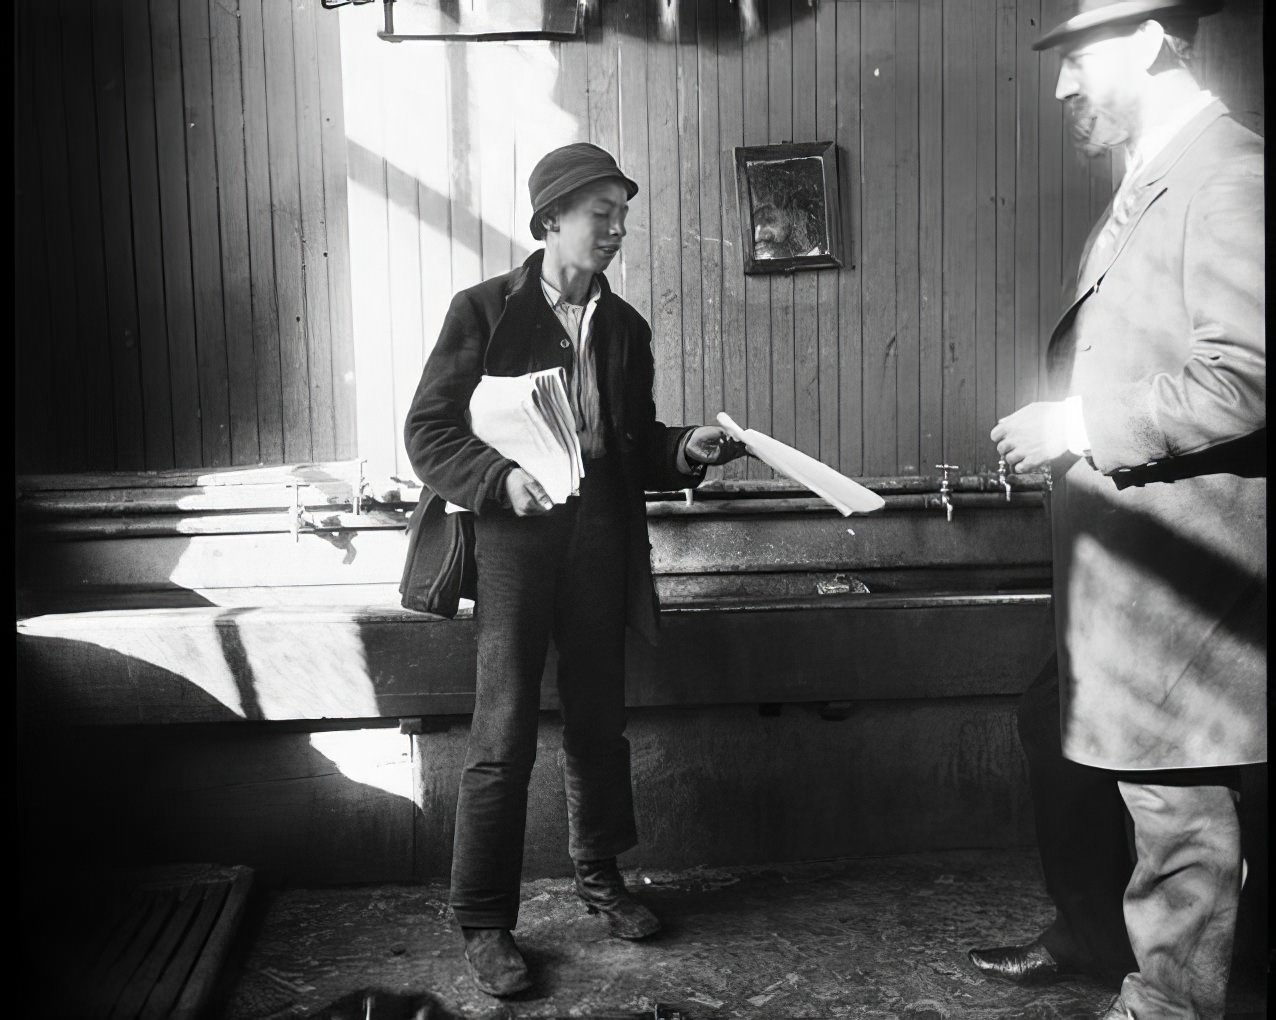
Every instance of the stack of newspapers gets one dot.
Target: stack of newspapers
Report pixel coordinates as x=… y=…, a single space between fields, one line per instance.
x=529 y=419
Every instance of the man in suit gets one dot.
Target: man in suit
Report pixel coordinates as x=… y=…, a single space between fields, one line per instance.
x=575 y=572
x=1157 y=441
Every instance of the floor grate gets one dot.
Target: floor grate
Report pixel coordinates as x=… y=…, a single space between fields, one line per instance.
x=156 y=942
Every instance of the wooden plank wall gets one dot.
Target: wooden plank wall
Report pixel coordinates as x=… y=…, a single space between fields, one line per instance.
x=186 y=296
x=183 y=296
x=964 y=207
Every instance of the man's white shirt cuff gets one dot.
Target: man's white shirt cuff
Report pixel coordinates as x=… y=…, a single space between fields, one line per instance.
x=1074 y=427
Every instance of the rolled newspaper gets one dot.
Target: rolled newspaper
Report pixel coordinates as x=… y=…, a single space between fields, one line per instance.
x=846 y=495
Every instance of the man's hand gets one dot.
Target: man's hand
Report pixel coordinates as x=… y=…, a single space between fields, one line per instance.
x=709 y=444
x=527 y=498
x=1033 y=436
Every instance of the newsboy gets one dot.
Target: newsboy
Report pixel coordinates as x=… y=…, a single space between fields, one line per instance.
x=1157 y=441
x=574 y=573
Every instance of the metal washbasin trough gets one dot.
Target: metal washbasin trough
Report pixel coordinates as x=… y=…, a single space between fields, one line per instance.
x=271 y=594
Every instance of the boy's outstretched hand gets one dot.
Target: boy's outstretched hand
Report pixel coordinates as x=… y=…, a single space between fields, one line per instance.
x=710 y=444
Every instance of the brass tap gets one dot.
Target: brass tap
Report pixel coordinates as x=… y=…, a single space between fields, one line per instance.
x=1001 y=477
x=945 y=489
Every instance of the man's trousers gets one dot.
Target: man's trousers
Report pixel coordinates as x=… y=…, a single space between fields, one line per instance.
x=1081 y=837
x=562 y=575
x=1180 y=906
x=1166 y=923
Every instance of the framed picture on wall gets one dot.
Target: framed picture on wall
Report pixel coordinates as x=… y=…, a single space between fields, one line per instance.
x=789 y=213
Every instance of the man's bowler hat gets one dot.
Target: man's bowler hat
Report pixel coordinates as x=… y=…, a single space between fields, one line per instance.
x=564 y=170
x=1089 y=15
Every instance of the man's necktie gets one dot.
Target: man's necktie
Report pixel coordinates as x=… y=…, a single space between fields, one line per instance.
x=1122 y=206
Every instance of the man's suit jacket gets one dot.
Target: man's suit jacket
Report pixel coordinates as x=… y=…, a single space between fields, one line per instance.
x=504 y=326
x=1160 y=534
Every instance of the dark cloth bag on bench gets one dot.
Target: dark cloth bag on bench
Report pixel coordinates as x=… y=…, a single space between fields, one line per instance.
x=440 y=568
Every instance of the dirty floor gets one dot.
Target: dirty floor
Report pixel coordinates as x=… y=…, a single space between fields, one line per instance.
x=879 y=938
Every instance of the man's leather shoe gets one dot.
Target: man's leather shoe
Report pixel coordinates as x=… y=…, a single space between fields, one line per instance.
x=1030 y=964
x=602 y=889
x=495 y=961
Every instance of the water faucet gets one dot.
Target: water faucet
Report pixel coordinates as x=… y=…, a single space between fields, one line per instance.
x=361 y=487
x=945 y=490
x=1001 y=477
x=296 y=514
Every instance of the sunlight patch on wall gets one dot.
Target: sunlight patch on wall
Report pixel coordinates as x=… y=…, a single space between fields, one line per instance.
x=442 y=138
x=381 y=758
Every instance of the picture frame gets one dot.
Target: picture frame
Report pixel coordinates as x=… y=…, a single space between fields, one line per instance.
x=790 y=217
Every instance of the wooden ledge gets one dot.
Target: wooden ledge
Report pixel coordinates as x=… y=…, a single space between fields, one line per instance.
x=227 y=664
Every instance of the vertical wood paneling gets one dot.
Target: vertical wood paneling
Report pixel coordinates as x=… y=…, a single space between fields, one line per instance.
x=400 y=99
x=1050 y=192
x=806 y=318
x=401 y=96
x=466 y=245
x=757 y=289
x=380 y=435
x=880 y=258
x=962 y=207
x=731 y=132
x=628 y=25
x=691 y=298
x=175 y=234
x=604 y=130
x=572 y=90
x=33 y=362
x=960 y=280
x=780 y=129
x=163 y=181
x=285 y=191
x=148 y=253
x=232 y=208
x=850 y=170
x=534 y=65
x=261 y=254
x=87 y=260
x=179 y=298
x=63 y=432
x=488 y=70
x=434 y=213
x=982 y=451
x=827 y=283
x=1027 y=205
x=117 y=239
x=1229 y=59
x=317 y=314
x=206 y=256
x=187 y=296
x=907 y=262
x=662 y=183
x=709 y=206
x=930 y=157
x=336 y=213
x=1005 y=92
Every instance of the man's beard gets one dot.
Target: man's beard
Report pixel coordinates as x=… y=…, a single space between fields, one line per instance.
x=1093 y=129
